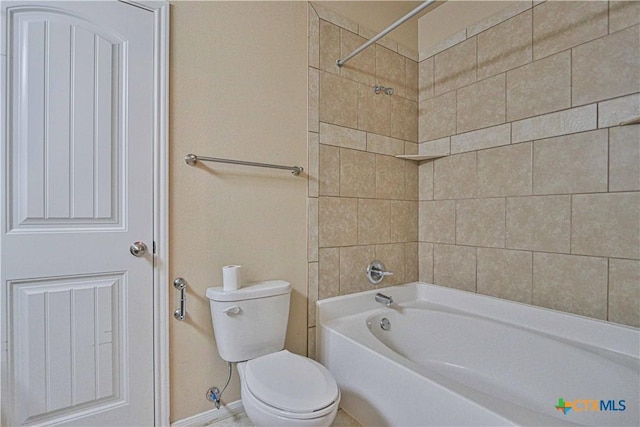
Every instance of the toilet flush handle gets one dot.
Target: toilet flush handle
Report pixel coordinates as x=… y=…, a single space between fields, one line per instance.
x=233 y=310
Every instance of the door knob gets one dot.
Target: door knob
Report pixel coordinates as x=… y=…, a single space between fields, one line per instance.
x=138 y=249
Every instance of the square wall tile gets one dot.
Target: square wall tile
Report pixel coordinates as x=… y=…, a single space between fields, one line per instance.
x=338 y=221
x=411 y=272
x=425 y=79
x=353 y=265
x=425 y=262
x=624 y=292
x=574 y=284
x=329 y=171
x=357 y=173
x=410 y=90
x=314 y=99
x=481 y=104
x=455 y=177
x=455 y=267
x=540 y=87
x=338 y=100
x=505 y=46
x=362 y=67
x=505 y=274
x=623 y=14
x=437 y=221
x=404 y=119
x=374 y=111
x=437 y=117
x=390 y=177
x=313 y=140
x=329 y=47
x=393 y=258
x=390 y=67
x=314 y=38
x=328 y=272
x=607 y=67
x=558 y=26
x=312 y=240
x=606 y=225
x=571 y=164
x=539 y=223
x=505 y=171
x=455 y=67
x=480 y=222
x=374 y=221
x=312 y=293
x=404 y=221
x=425 y=184
x=624 y=158
x=411 y=180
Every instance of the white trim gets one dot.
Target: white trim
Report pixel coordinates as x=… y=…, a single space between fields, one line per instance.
x=207 y=417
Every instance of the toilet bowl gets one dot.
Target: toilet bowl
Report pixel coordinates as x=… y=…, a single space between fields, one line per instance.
x=284 y=389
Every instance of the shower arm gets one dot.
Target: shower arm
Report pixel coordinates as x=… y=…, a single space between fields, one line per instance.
x=405 y=18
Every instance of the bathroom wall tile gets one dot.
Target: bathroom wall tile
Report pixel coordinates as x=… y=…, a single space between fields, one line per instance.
x=505 y=274
x=440 y=146
x=408 y=53
x=506 y=46
x=481 y=222
x=390 y=67
x=312 y=293
x=386 y=41
x=329 y=184
x=425 y=262
x=606 y=225
x=484 y=138
x=313 y=140
x=541 y=223
x=410 y=147
x=374 y=111
x=623 y=14
x=437 y=221
x=558 y=26
x=338 y=100
x=362 y=67
x=455 y=177
x=410 y=90
x=455 y=267
x=357 y=173
x=505 y=14
x=411 y=180
x=335 y=18
x=312 y=241
x=411 y=273
x=624 y=158
x=612 y=61
x=390 y=177
x=455 y=67
x=353 y=264
x=338 y=220
x=393 y=258
x=540 y=87
x=384 y=144
x=437 y=117
x=314 y=38
x=445 y=44
x=404 y=221
x=425 y=79
x=425 y=175
x=481 y=104
x=574 y=120
x=614 y=111
x=328 y=272
x=505 y=171
x=329 y=47
x=311 y=343
x=314 y=100
x=574 y=284
x=404 y=119
x=571 y=164
x=374 y=221
x=624 y=292
x=342 y=137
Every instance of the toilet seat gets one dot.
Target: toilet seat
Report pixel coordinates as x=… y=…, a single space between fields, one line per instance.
x=293 y=384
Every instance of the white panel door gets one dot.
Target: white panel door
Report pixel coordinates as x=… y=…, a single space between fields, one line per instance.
x=78 y=158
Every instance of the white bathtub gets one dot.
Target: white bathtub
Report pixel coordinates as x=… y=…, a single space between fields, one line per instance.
x=457 y=358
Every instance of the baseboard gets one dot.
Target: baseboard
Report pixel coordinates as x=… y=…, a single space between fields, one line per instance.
x=210 y=416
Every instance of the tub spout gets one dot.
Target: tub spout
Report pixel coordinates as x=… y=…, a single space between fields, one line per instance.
x=381 y=298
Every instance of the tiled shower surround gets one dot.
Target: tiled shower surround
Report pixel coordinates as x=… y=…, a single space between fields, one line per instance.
x=539 y=200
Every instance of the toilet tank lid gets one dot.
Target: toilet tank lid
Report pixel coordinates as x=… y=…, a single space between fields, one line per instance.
x=255 y=290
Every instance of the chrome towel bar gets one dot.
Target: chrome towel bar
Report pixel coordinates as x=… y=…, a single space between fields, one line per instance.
x=192 y=159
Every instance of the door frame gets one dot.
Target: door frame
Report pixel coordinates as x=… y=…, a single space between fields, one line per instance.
x=160 y=10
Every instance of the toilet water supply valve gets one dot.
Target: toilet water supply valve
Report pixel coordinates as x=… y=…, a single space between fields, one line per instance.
x=214 y=394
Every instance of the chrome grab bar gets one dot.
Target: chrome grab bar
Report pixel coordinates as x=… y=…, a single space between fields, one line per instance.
x=181 y=285
x=192 y=159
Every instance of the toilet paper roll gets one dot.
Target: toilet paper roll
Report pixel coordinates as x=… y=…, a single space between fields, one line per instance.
x=231 y=277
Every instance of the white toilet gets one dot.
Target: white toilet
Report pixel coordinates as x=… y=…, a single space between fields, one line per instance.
x=279 y=388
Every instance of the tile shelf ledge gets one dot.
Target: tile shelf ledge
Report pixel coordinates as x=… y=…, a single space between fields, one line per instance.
x=419 y=157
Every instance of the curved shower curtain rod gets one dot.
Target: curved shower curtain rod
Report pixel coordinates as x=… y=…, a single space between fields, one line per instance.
x=405 y=18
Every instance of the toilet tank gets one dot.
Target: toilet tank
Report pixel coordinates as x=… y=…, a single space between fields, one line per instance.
x=251 y=321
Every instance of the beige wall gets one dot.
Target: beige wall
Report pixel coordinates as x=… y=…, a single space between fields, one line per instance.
x=238 y=90
x=539 y=201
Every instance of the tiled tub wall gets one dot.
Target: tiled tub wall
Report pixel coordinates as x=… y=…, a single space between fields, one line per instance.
x=363 y=202
x=539 y=201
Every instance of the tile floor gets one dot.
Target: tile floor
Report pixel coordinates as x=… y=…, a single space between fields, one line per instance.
x=241 y=420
